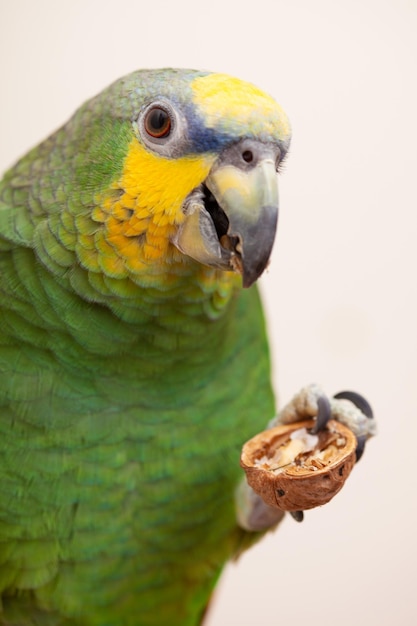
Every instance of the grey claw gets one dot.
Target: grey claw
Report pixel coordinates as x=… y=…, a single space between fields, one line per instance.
x=297 y=515
x=360 y=448
x=323 y=415
x=359 y=401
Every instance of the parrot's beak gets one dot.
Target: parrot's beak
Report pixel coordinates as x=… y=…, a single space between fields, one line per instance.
x=231 y=219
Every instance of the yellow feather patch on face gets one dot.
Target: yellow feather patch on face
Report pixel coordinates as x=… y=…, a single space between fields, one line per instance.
x=159 y=185
x=143 y=208
x=224 y=101
x=129 y=248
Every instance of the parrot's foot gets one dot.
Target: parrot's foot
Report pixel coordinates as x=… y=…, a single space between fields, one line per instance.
x=311 y=403
x=347 y=407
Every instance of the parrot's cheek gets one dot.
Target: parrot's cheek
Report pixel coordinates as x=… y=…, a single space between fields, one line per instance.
x=231 y=219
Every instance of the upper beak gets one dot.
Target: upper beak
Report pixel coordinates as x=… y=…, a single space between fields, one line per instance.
x=232 y=223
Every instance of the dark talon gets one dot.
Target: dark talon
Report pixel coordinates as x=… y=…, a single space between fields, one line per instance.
x=359 y=401
x=360 y=448
x=323 y=415
x=297 y=515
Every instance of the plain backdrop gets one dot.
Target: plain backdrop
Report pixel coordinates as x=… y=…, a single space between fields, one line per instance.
x=340 y=293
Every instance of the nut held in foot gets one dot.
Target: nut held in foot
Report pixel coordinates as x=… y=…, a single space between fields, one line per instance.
x=293 y=469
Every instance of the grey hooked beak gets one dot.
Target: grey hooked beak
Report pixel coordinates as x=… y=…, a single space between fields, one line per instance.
x=231 y=220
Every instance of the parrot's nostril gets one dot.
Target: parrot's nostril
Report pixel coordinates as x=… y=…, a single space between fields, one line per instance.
x=247 y=156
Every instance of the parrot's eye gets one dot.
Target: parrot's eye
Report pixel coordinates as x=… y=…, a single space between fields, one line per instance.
x=162 y=128
x=157 y=122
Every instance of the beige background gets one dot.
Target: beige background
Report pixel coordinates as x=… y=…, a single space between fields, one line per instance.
x=340 y=292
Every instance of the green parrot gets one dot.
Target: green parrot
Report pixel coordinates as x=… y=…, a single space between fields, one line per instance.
x=133 y=366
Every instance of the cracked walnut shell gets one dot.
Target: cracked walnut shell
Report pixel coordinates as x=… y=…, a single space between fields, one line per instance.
x=293 y=470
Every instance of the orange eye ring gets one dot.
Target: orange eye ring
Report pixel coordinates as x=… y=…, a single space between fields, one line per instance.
x=157 y=123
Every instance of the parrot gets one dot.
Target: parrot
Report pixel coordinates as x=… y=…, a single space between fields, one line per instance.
x=134 y=360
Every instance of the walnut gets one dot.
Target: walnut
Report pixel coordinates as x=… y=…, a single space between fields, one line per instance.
x=293 y=470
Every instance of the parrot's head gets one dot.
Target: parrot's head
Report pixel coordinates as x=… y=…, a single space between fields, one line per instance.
x=184 y=170
x=162 y=187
